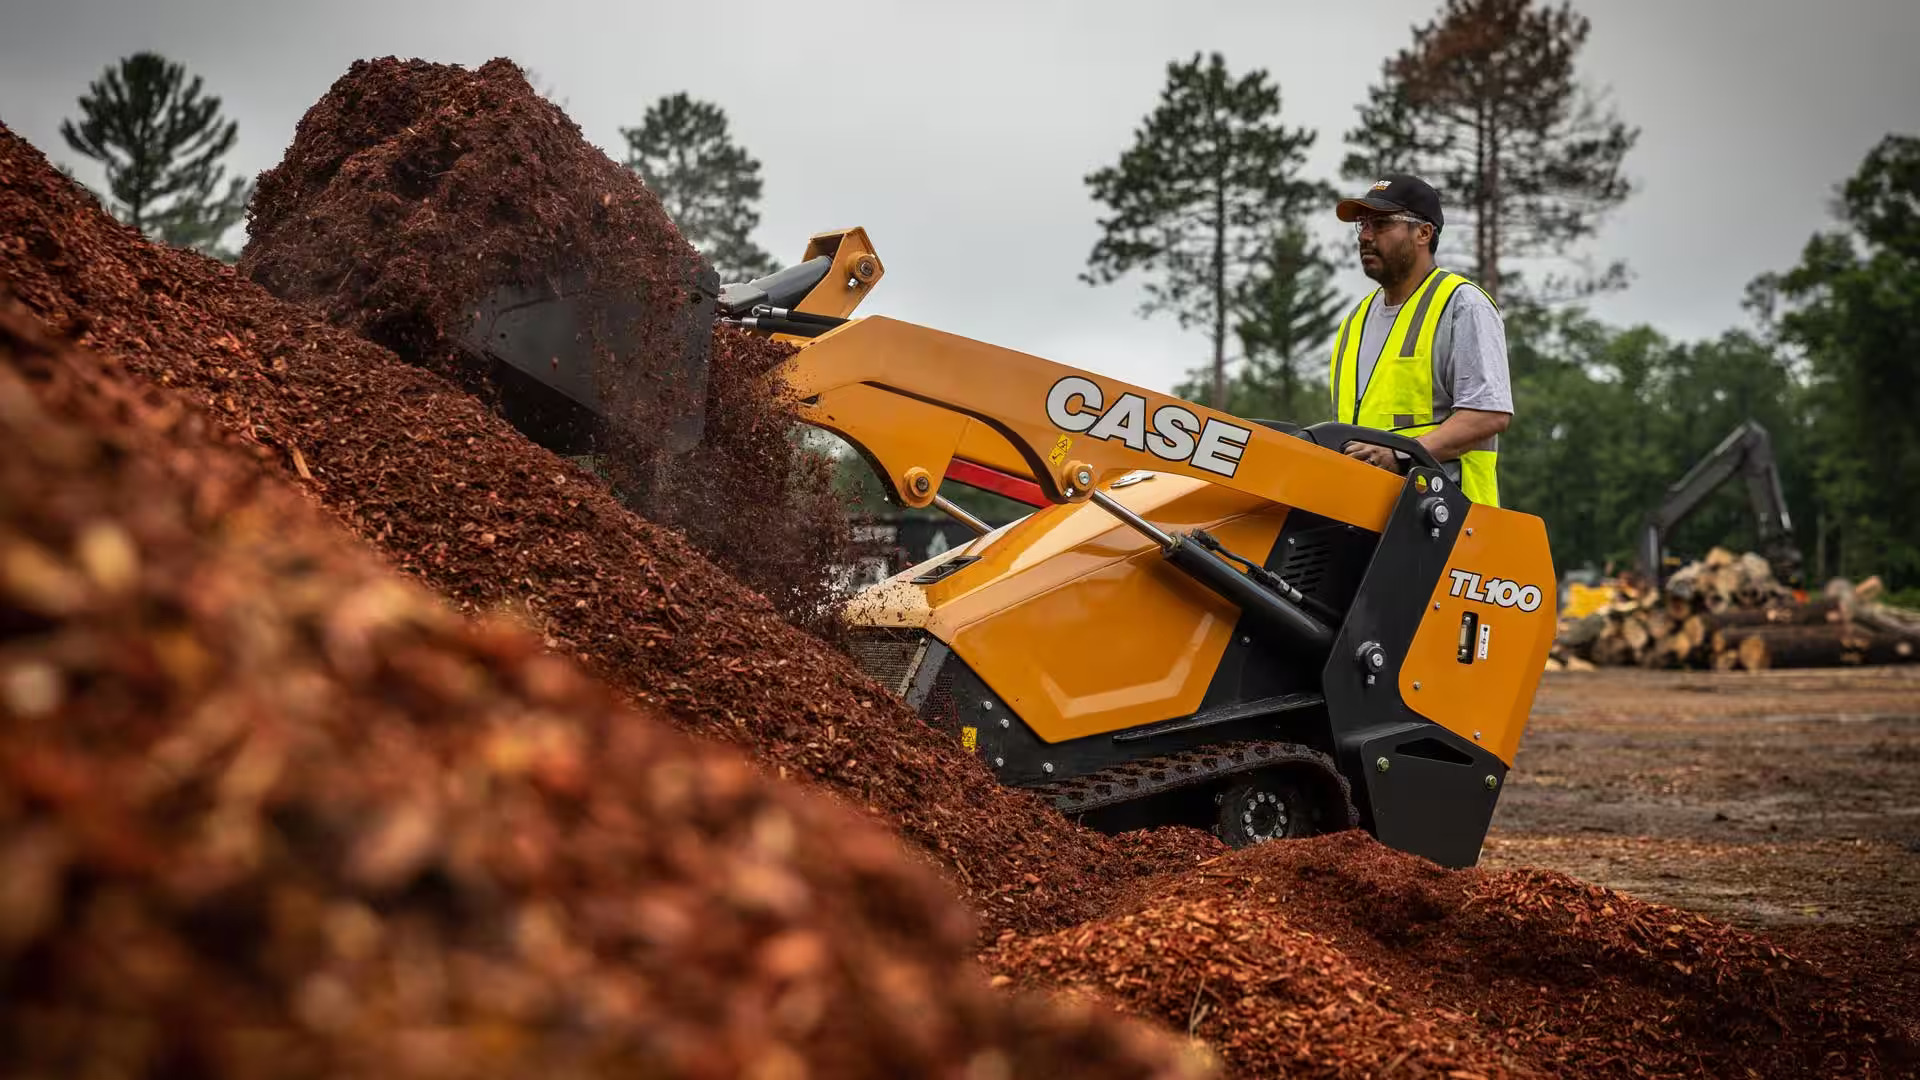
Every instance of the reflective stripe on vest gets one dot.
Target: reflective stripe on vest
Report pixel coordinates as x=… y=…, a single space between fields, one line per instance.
x=1398 y=395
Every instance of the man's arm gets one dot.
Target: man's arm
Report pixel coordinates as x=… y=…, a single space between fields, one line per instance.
x=1456 y=435
x=1461 y=431
x=1481 y=389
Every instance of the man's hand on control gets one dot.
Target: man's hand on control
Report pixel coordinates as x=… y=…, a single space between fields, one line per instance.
x=1374 y=455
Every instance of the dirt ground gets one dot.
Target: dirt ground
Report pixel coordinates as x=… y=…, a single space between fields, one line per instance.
x=1784 y=801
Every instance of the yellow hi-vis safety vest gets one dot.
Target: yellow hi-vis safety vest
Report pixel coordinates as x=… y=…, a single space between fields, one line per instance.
x=1399 y=393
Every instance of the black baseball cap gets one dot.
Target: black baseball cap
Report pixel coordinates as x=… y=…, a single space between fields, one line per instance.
x=1394 y=193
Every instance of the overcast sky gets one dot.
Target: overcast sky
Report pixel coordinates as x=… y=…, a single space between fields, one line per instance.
x=959 y=134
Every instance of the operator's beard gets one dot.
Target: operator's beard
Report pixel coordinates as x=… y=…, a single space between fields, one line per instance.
x=1393 y=270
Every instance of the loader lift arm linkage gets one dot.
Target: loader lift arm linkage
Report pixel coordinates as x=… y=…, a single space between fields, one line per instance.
x=1748 y=451
x=922 y=406
x=908 y=397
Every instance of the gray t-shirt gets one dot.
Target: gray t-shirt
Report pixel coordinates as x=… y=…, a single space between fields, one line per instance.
x=1469 y=357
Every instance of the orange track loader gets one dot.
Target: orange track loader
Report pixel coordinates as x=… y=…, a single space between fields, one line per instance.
x=1206 y=620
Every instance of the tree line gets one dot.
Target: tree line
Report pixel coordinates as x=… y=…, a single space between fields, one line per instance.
x=1211 y=208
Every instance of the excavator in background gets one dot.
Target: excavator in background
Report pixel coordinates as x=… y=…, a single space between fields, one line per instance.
x=1205 y=620
x=1747 y=452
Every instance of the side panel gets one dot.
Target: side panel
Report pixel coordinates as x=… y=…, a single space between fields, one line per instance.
x=1482 y=688
x=1073 y=618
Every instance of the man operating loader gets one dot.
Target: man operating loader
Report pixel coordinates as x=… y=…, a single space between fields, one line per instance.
x=1425 y=354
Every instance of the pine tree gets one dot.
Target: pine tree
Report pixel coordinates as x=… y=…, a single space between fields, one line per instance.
x=1285 y=314
x=1210 y=176
x=707 y=185
x=161 y=142
x=1485 y=106
x=1287 y=311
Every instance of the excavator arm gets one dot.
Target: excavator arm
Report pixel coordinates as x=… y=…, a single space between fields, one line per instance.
x=1748 y=452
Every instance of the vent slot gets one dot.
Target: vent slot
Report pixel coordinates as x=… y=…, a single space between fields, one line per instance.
x=1432 y=750
x=946 y=569
x=1305 y=566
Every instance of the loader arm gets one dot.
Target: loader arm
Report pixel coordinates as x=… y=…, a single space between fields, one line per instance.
x=914 y=399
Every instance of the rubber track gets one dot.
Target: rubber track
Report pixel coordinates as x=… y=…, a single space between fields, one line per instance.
x=1171 y=772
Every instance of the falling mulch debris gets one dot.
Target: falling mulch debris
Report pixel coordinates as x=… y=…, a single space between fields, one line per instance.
x=268 y=809
x=455 y=497
x=1560 y=976
x=412 y=190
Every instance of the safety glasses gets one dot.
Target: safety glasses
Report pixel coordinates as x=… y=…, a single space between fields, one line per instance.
x=1374 y=221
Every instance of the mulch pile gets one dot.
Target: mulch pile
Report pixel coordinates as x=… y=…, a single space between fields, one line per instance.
x=1337 y=956
x=452 y=495
x=267 y=809
x=412 y=190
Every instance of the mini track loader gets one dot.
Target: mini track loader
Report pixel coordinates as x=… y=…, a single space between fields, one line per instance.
x=1205 y=620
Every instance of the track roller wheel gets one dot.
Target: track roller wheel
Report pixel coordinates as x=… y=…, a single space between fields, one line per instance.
x=1262 y=806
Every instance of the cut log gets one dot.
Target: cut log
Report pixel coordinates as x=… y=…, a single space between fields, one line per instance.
x=1891 y=620
x=1685 y=581
x=1672 y=651
x=1611 y=651
x=1811 y=613
x=1584 y=631
x=1763 y=647
x=1634 y=632
x=1885 y=648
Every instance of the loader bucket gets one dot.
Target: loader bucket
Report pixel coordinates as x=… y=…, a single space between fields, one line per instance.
x=572 y=366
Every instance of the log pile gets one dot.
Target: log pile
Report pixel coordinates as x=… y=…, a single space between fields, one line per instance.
x=1727 y=612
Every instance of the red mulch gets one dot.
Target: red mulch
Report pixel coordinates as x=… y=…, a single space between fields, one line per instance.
x=267 y=809
x=1568 y=978
x=452 y=495
x=1268 y=998
x=412 y=189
